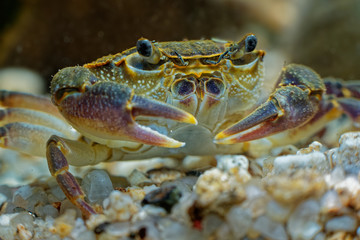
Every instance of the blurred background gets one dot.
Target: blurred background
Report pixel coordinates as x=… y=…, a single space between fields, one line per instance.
x=44 y=36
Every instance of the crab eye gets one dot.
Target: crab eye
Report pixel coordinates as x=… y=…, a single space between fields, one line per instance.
x=250 y=43
x=183 y=88
x=144 y=47
x=214 y=86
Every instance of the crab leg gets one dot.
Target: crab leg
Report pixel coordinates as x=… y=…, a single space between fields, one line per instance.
x=29 y=101
x=61 y=152
x=346 y=95
x=59 y=168
x=27 y=129
x=11 y=115
x=107 y=110
x=26 y=138
x=294 y=102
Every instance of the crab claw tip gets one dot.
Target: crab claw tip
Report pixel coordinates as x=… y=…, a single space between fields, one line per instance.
x=220 y=136
x=223 y=140
x=190 y=119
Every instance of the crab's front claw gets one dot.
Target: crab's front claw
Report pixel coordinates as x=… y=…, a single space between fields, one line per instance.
x=107 y=110
x=294 y=102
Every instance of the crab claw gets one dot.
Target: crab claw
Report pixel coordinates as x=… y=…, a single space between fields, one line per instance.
x=107 y=111
x=293 y=103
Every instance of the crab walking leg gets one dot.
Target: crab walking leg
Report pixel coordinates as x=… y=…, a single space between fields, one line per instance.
x=34 y=117
x=29 y=101
x=26 y=138
x=346 y=96
x=295 y=102
x=60 y=152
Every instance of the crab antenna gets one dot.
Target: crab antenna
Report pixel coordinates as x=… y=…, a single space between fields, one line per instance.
x=148 y=51
x=245 y=45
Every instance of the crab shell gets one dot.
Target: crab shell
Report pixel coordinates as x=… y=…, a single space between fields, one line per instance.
x=198 y=77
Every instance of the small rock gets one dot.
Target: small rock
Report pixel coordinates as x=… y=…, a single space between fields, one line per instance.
x=27 y=224
x=47 y=210
x=320 y=236
x=348 y=153
x=303 y=223
x=165 y=197
x=270 y=229
x=23 y=233
x=336 y=176
x=343 y=223
x=228 y=162
x=97 y=186
x=349 y=191
x=239 y=221
x=278 y=212
x=138 y=178
x=177 y=231
x=237 y=165
x=181 y=186
x=161 y=175
x=28 y=197
x=80 y=231
x=118 y=229
x=64 y=224
x=314 y=159
x=6 y=191
x=55 y=189
x=330 y=202
x=119 y=206
x=291 y=187
x=218 y=188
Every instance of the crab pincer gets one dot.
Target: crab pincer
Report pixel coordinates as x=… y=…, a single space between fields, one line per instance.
x=108 y=110
x=295 y=101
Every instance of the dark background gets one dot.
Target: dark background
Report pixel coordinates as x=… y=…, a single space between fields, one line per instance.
x=46 y=36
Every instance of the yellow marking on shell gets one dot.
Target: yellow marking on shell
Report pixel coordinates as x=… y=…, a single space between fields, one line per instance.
x=347 y=93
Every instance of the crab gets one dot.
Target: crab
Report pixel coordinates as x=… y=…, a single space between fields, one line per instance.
x=199 y=97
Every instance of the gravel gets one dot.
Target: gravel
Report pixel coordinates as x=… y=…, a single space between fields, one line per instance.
x=313 y=193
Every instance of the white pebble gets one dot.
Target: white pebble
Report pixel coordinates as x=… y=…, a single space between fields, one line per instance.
x=227 y=162
x=239 y=220
x=330 y=202
x=347 y=154
x=303 y=222
x=343 y=223
x=177 y=231
x=80 y=232
x=119 y=206
x=270 y=229
x=277 y=212
x=119 y=229
x=320 y=236
x=310 y=160
x=336 y=176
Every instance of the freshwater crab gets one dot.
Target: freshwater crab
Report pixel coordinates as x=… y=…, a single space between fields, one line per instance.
x=188 y=98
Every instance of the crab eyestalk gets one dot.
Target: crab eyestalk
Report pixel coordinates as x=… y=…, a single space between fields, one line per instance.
x=246 y=45
x=148 y=51
x=294 y=103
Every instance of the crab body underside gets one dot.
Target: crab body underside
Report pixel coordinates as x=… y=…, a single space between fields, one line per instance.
x=170 y=99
